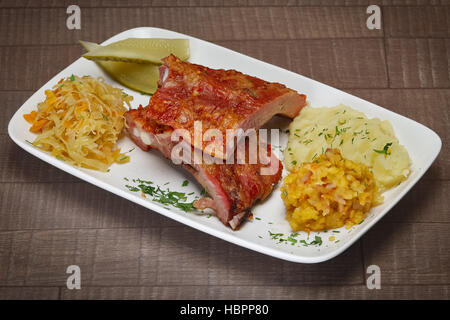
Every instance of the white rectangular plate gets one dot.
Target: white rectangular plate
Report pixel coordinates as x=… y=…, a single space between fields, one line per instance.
x=422 y=144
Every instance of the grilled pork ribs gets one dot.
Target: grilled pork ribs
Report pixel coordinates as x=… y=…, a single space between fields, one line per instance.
x=221 y=101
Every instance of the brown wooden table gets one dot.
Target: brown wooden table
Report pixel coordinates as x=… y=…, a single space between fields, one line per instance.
x=50 y=220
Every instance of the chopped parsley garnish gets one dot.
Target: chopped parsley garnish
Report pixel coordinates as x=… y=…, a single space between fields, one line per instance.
x=317 y=241
x=338 y=132
x=275 y=236
x=294 y=162
x=185 y=183
x=131 y=188
x=72 y=78
x=386 y=150
x=292 y=240
x=164 y=197
x=142 y=181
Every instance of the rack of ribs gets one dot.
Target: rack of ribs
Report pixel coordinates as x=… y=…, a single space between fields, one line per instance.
x=223 y=100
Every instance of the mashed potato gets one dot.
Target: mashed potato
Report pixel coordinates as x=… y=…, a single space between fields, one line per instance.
x=371 y=142
x=328 y=193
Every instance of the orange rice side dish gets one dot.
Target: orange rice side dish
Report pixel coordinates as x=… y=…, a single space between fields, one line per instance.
x=328 y=193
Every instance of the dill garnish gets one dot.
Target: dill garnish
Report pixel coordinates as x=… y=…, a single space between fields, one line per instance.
x=386 y=150
x=317 y=241
x=275 y=235
x=163 y=196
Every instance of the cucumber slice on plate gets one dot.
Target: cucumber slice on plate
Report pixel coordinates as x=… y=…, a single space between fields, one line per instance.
x=141 y=50
x=139 y=77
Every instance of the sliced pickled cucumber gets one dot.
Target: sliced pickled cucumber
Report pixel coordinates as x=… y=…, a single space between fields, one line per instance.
x=139 y=77
x=141 y=50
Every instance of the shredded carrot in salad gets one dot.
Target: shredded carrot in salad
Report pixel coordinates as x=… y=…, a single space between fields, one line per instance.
x=80 y=121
